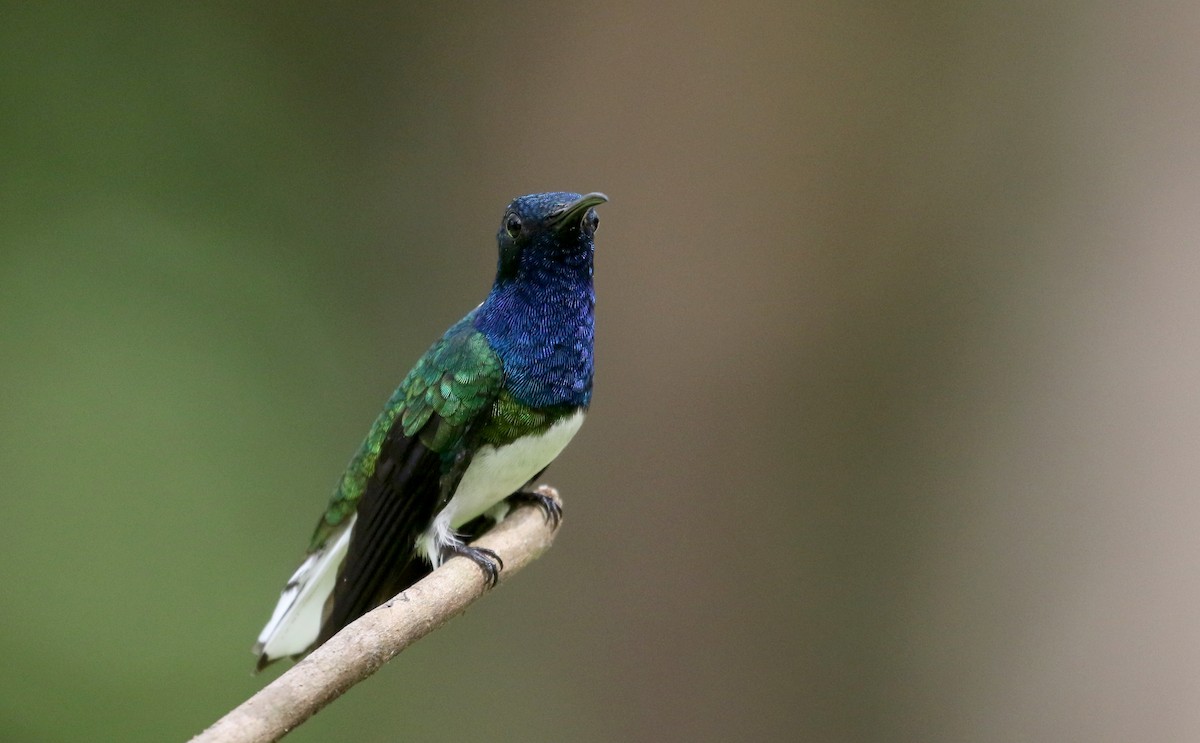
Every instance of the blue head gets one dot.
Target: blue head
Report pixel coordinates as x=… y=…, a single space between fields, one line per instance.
x=547 y=234
x=539 y=314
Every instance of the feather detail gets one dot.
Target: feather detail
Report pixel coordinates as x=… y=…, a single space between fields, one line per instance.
x=296 y=621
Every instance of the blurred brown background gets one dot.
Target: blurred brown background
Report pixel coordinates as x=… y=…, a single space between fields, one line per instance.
x=898 y=392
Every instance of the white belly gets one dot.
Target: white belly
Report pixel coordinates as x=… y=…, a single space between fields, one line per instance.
x=493 y=475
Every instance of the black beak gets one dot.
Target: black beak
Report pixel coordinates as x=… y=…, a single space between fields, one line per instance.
x=572 y=213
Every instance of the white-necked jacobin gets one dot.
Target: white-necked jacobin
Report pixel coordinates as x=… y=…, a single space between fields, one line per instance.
x=472 y=426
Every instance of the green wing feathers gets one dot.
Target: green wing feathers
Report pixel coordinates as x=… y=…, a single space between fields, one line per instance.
x=453 y=383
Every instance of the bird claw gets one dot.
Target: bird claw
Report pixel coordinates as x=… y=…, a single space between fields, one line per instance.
x=544 y=498
x=487 y=560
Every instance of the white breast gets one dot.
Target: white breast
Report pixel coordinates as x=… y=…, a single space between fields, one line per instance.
x=493 y=475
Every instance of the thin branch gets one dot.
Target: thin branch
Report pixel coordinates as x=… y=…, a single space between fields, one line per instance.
x=363 y=646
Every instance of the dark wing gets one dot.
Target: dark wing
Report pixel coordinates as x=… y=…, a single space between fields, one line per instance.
x=409 y=464
x=396 y=506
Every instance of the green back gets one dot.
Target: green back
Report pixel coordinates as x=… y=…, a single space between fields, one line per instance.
x=455 y=382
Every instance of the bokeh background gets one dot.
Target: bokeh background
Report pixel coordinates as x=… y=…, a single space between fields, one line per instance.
x=898 y=394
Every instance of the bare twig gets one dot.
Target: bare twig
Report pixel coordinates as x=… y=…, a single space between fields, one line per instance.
x=378 y=636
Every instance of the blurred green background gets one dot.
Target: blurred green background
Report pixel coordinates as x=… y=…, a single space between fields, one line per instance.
x=898 y=389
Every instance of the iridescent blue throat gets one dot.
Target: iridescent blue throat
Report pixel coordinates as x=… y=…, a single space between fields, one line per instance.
x=541 y=325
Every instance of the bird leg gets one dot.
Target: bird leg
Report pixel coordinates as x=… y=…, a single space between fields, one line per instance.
x=545 y=498
x=487 y=560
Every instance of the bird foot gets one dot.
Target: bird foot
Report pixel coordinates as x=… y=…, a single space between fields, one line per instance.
x=545 y=498
x=487 y=560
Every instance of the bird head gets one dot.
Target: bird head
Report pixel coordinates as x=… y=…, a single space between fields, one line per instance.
x=546 y=230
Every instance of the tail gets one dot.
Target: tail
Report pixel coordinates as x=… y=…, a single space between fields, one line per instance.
x=295 y=625
x=342 y=613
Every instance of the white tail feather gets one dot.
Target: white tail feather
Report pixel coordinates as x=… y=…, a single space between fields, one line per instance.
x=296 y=621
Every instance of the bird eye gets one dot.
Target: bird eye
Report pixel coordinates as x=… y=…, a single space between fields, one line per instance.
x=512 y=225
x=593 y=219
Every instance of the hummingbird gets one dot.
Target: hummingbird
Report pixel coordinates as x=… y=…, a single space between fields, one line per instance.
x=474 y=424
